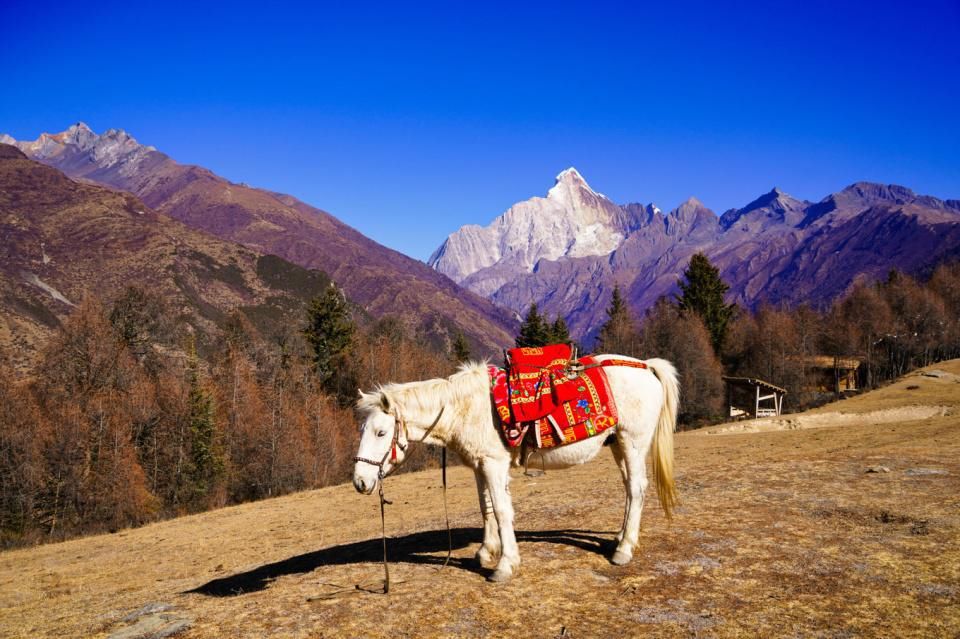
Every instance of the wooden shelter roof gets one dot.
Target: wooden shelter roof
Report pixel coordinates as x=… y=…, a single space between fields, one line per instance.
x=828 y=361
x=751 y=381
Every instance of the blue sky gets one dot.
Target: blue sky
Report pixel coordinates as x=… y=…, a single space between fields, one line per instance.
x=409 y=120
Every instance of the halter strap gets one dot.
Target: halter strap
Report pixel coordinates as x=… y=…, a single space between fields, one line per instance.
x=398 y=425
x=392 y=451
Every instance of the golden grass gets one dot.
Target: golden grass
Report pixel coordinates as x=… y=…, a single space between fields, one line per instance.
x=778 y=533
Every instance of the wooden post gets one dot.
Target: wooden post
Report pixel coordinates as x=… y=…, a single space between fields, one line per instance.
x=836 y=375
x=756 y=409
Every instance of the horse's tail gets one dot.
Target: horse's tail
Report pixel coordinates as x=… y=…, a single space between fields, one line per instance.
x=662 y=451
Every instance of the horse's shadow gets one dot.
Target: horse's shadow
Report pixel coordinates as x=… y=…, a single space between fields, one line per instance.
x=415 y=548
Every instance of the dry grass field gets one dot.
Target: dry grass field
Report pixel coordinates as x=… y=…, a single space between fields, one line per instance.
x=782 y=532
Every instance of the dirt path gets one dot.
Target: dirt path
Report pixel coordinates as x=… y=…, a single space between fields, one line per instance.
x=781 y=533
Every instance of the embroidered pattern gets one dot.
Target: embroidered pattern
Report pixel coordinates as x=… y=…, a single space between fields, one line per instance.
x=583 y=407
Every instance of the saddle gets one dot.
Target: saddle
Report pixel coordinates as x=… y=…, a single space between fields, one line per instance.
x=564 y=399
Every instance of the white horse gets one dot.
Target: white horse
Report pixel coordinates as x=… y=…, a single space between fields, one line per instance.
x=458 y=412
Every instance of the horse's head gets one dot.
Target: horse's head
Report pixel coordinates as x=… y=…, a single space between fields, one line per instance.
x=383 y=441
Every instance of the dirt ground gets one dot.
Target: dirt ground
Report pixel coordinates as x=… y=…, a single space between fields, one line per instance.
x=841 y=522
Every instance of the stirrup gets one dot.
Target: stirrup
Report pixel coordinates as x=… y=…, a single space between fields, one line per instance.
x=533 y=472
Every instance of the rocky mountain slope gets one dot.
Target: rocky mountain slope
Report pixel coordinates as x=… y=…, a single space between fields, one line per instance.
x=567 y=251
x=63 y=240
x=381 y=280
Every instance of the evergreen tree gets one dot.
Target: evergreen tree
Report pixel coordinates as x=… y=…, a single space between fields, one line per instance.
x=206 y=462
x=559 y=333
x=460 y=349
x=702 y=293
x=619 y=333
x=534 y=331
x=329 y=331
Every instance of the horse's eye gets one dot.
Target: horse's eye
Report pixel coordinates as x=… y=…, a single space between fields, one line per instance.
x=381 y=433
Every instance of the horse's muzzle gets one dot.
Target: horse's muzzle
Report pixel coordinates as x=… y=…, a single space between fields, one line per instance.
x=365 y=486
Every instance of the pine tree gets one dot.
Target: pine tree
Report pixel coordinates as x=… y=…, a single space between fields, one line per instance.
x=618 y=307
x=329 y=331
x=206 y=462
x=534 y=331
x=619 y=333
x=559 y=333
x=460 y=349
x=702 y=293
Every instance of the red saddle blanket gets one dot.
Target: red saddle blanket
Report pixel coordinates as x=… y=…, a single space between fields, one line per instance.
x=539 y=393
x=536 y=379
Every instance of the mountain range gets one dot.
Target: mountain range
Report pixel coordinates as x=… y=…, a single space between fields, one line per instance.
x=380 y=280
x=567 y=251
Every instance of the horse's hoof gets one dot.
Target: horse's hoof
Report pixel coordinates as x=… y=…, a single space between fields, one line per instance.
x=621 y=558
x=499 y=576
x=486 y=558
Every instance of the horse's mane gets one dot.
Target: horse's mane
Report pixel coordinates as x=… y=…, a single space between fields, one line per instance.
x=426 y=394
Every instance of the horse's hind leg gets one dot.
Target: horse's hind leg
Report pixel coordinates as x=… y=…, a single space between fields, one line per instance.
x=489 y=551
x=622 y=465
x=635 y=481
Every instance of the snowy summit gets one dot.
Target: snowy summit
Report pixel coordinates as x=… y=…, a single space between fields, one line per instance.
x=573 y=220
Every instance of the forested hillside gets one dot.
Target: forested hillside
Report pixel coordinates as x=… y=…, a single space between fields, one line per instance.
x=121 y=422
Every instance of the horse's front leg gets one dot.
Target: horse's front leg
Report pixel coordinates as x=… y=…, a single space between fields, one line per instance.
x=489 y=551
x=496 y=476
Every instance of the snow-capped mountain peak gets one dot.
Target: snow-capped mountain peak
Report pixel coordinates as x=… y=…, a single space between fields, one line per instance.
x=570 y=188
x=570 y=173
x=572 y=221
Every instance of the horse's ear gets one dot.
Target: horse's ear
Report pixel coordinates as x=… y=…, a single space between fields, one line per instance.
x=384 y=402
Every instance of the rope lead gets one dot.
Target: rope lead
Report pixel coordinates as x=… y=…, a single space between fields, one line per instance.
x=446 y=513
x=383 y=529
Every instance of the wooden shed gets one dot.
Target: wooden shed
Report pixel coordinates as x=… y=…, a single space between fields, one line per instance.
x=832 y=374
x=750 y=396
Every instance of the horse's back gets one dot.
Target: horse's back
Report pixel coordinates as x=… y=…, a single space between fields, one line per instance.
x=638 y=392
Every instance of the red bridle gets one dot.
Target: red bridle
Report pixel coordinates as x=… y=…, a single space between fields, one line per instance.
x=398 y=425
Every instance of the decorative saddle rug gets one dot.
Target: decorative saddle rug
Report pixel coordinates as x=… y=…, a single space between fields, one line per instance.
x=537 y=382
x=564 y=405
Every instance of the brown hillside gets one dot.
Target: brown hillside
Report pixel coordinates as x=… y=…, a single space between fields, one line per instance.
x=781 y=533
x=63 y=240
